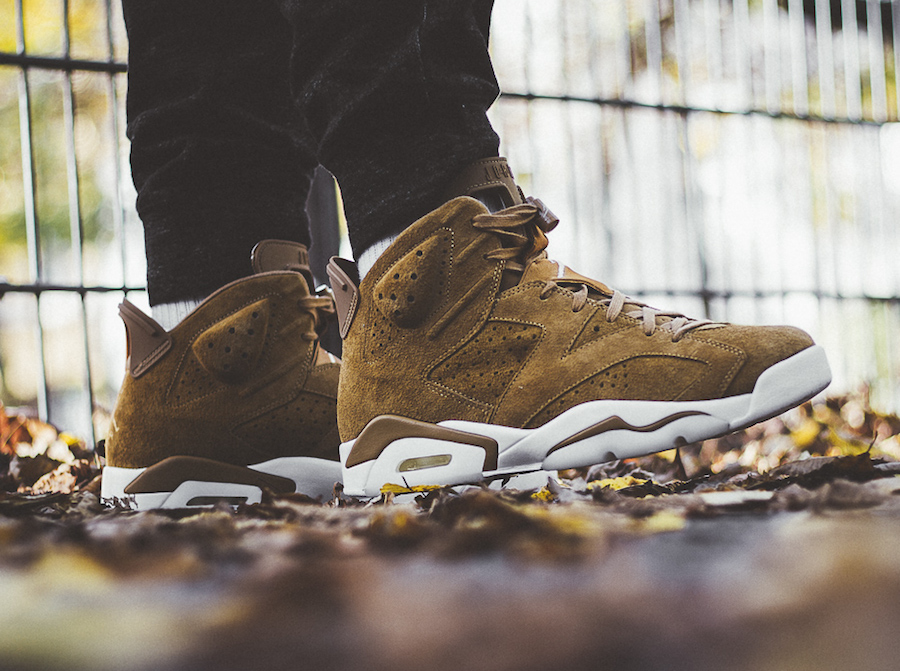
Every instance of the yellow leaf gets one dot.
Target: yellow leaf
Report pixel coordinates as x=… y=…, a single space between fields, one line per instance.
x=543 y=494
x=806 y=433
x=616 y=483
x=841 y=447
x=660 y=522
x=391 y=488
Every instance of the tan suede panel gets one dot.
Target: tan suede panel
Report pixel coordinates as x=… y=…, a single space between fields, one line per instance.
x=765 y=346
x=231 y=349
x=485 y=366
x=418 y=279
x=192 y=382
x=323 y=379
x=379 y=349
x=556 y=367
x=437 y=360
x=596 y=327
x=178 y=408
x=627 y=380
x=313 y=412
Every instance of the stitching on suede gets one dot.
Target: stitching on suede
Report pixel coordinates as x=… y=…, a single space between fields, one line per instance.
x=193 y=338
x=288 y=396
x=735 y=367
x=414 y=242
x=447 y=392
x=273 y=331
x=154 y=356
x=524 y=365
x=496 y=405
x=603 y=370
x=453 y=348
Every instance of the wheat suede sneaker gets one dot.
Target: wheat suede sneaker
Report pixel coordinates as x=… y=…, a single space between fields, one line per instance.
x=237 y=397
x=468 y=354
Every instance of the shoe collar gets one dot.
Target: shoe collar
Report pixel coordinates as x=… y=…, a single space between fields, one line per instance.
x=270 y=255
x=489 y=180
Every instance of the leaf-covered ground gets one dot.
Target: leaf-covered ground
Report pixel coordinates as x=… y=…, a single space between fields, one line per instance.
x=775 y=548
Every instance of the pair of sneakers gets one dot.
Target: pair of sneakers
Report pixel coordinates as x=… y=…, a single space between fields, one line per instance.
x=468 y=355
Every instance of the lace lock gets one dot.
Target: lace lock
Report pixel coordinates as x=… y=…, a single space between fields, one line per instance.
x=547 y=221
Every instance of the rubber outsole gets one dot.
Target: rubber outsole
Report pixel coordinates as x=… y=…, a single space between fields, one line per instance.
x=590 y=433
x=189 y=483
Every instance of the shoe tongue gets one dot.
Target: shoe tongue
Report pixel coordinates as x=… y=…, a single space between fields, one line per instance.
x=543 y=269
x=269 y=255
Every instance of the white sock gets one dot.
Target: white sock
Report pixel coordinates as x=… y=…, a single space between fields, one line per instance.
x=169 y=315
x=368 y=258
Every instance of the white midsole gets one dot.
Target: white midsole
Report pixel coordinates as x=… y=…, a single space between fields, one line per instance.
x=313 y=477
x=782 y=386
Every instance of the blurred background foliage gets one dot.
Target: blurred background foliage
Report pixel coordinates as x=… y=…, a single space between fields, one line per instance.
x=44 y=23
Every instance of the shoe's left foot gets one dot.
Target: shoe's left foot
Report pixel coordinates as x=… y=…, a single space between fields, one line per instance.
x=236 y=398
x=468 y=355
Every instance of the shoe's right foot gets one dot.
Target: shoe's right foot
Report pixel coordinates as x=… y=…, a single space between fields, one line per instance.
x=238 y=397
x=468 y=355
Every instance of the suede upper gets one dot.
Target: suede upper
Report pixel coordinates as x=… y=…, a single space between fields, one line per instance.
x=456 y=321
x=243 y=381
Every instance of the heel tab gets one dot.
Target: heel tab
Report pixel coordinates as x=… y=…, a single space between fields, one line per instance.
x=270 y=255
x=147 y=340
x=487 y=180
x=344 y=279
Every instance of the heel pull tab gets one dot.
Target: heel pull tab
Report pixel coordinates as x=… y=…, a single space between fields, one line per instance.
x=147 y=340
x=344 y=278
x=489 y=176
x=270 y=255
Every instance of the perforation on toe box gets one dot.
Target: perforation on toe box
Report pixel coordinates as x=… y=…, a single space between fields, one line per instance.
x=230 y=349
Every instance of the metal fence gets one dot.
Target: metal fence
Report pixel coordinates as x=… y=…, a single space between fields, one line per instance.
x=733 y=158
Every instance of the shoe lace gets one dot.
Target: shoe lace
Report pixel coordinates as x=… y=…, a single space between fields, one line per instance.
x=522 y=230
x=320 y=307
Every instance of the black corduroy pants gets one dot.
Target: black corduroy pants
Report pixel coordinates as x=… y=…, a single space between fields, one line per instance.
x=232 y=103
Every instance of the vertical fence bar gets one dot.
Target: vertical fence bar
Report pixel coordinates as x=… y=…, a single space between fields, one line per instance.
x=713 y=31
x=683 y=54
x=32 y=229
x=825 y=54
x=569 y=134
x=877 y=79
x=743 y=67
x=772 y=55
x=895 y=32
x=799 y=74
x=850 y=35
x=624 y=88
x=76 y=224
x=76 y=232
x=113 y=96
x=653 y=36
